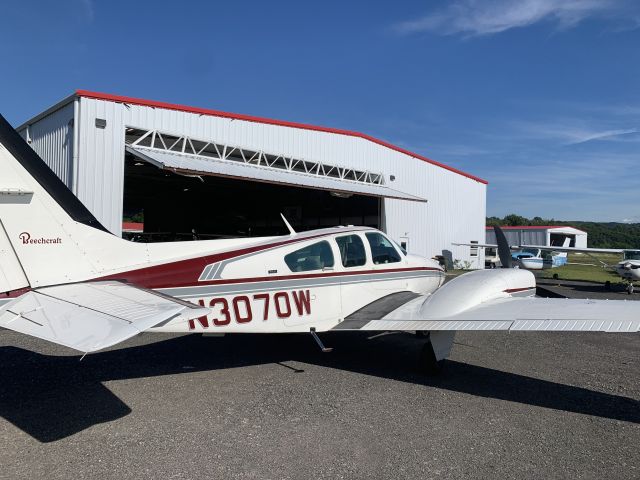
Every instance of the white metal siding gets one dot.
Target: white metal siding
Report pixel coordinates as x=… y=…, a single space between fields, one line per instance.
x=455 y=212
x=537 y=236
x=52 y=138
x=101 y=161
x=581 y=240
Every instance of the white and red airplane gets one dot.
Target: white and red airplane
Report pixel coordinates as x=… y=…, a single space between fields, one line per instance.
x=65 y=279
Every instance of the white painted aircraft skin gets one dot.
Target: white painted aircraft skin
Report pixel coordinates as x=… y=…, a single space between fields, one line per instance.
x=69 y=282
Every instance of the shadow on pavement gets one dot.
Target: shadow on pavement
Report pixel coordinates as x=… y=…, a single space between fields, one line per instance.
x=51 y=397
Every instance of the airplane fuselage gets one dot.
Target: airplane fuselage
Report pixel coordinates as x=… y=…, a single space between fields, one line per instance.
x=294 y=283
x=629 y=270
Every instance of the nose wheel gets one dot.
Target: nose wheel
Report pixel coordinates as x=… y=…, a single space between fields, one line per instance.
x=630 y=288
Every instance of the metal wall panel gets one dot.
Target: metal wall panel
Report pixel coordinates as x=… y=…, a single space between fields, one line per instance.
x=525 y=236
x=101 y=161
x=455 y=211
x=52 y=138
x=541 y=236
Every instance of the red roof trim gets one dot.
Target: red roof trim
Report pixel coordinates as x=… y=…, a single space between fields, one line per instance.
x=269 y=121
x=536 y=227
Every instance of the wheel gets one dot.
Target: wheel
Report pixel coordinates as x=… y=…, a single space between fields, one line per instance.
x=630 y=288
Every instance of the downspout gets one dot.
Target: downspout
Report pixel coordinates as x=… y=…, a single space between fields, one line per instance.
x=76 y=145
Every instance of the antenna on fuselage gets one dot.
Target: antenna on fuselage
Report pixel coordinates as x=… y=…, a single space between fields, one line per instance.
x=291 y=230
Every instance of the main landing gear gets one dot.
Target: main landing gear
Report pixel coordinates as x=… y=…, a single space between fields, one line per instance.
x=630 y=289
x=428 y=363
x=435 y=350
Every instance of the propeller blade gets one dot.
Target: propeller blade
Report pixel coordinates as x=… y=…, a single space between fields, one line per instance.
x=504 y=251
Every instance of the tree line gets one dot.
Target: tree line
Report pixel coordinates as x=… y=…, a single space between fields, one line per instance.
x=601 y=234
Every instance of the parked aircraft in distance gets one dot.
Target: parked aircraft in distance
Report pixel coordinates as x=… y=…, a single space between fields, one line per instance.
x=65 y=279
x=530 y=258
x=538 y=259
x=628 y=268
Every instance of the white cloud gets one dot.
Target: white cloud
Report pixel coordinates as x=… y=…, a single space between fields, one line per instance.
x=88 y=10
x=484 y=17
x=604 y=135
x=571 y=132
x=581 y=186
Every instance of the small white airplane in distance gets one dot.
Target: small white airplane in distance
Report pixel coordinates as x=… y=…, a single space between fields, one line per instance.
x=67 y=280
x=535 y=259
x=628 y=268
x=525 y=256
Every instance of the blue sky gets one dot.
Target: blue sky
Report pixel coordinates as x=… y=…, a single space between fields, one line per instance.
x=539 y=97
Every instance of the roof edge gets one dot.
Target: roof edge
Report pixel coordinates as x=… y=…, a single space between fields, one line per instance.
x=268 y=121
x=53 y=108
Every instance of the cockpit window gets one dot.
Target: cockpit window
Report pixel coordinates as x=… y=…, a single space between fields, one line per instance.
x=632 y=255
x=382 y=251
x=352 y=250
x=312 y=257
x=400 y=247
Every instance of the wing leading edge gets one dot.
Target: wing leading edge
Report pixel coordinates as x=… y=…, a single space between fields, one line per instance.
x=92 y=316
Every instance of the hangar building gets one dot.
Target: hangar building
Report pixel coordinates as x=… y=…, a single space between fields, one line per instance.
x=178 y=172
x=549 y=235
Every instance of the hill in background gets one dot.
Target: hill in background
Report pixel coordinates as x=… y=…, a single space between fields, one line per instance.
x=601 y=234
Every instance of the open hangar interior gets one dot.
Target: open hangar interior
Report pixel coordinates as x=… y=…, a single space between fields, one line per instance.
x=548 y=235
x=192 y=173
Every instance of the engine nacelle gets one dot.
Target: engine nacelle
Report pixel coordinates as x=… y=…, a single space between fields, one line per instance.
x=473 y=288
x=467 y=291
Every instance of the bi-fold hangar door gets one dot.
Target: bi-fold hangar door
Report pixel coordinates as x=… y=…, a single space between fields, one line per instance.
x=187 y=187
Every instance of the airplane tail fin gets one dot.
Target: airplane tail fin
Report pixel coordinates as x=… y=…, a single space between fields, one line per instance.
x=566 y=243
x=47 y=236
x=50 y=245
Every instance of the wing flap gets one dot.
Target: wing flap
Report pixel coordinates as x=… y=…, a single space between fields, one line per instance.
x=92 y=316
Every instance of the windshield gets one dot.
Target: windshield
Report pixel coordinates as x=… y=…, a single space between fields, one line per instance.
x=632 y=255
x=404 y=251
x=532 y=251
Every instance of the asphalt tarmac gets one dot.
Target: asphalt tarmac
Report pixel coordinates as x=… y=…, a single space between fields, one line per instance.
x=518 y=405
x=593 y=290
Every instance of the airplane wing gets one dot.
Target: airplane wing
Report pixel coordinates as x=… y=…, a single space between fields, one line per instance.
x=93 y=315
x=479 y=245
x=511 y=313
x=577 y=250
x=486 y=245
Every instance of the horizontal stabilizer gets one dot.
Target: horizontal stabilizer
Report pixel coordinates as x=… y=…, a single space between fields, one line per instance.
x=94 y=315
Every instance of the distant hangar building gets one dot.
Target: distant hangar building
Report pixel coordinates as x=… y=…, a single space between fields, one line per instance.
x=548 y=235
x=168 y=171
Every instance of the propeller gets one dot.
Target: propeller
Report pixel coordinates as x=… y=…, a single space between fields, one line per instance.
x=504 y=251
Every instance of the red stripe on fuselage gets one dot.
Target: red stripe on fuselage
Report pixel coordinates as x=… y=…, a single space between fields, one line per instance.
x=15 y=293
